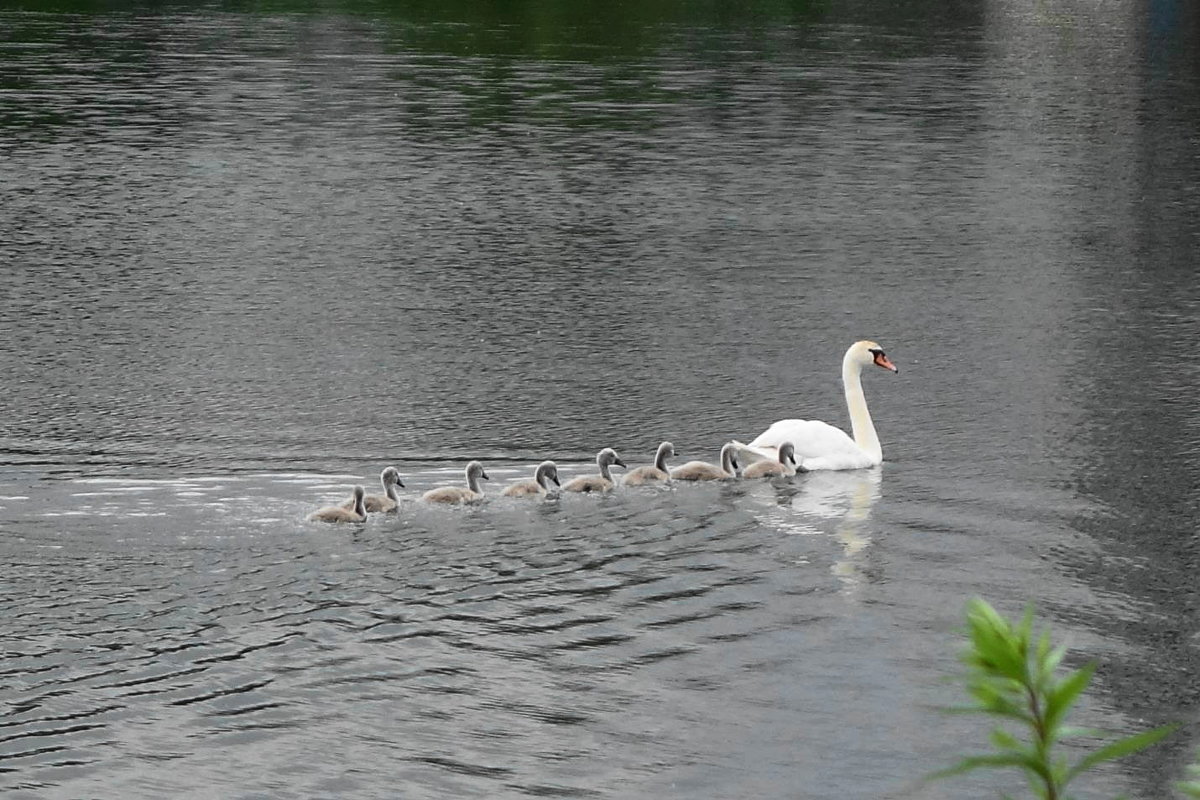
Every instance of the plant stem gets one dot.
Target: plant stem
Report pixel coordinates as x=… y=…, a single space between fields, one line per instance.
x=1043 y=745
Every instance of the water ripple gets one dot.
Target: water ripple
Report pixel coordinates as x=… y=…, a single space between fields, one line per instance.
x=250 y=259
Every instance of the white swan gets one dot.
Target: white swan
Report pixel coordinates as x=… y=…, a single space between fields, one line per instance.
x=818 y=444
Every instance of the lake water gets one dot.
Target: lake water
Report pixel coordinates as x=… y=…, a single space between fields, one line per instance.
x=252 y=254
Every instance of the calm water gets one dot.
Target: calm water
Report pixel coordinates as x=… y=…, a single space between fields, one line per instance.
x=252 y=255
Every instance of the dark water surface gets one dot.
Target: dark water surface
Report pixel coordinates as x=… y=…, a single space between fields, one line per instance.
x=253 y=254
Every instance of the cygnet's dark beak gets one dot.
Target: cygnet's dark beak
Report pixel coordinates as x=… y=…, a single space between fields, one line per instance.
x=484 y=475
x=400 y=483
x=555 y=479
x=620 y=463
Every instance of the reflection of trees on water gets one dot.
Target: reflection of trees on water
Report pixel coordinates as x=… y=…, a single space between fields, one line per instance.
x=1112 y=95
x=487 y=64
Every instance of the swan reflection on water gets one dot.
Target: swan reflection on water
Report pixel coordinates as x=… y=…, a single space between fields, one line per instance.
x=809 y=503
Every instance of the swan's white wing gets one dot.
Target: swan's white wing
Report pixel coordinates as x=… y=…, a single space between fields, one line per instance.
x=747 y=455
x=818 y=445
x=812 y=438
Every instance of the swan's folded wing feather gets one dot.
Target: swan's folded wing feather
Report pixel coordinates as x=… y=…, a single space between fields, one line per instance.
x=748 y=454
x=818 y=444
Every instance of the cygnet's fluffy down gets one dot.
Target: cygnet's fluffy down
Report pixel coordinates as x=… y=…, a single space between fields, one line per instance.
x=389 y=500
x=603 y=482
x=652 y=473
x=339 y=514
x=545 y=475
x=471 y=493
x=704 y=471
x=785 y=467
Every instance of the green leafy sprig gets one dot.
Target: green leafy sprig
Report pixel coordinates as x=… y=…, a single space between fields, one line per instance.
x=1013 y=677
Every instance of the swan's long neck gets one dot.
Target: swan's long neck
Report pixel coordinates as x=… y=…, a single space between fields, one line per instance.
x=860 y=418
x=390 y=490
x=473 y=483
x=604 y=473
x=360 y=504
x=660 y=459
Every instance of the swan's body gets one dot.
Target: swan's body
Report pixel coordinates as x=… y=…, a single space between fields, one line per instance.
x=704 y=471
x=603 y=482
x=389 y=500
x=784 y=467
x=652 y=473
x=545 y=474
x=819 y=445
x=339 y=514
x=470 y=493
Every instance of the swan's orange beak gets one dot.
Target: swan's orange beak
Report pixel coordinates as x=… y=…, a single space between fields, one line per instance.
x=883 y=361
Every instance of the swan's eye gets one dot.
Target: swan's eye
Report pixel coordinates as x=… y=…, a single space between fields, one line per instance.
x=875 y=351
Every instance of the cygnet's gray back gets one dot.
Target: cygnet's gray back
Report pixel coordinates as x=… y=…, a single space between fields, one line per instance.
x=603 y=482
x=389 y=500
x=704 y=471
x=471 y=493
x=358 y=513
x=652 y=473
x=784 y=467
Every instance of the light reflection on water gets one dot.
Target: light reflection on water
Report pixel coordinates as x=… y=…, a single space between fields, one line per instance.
x=254 y=259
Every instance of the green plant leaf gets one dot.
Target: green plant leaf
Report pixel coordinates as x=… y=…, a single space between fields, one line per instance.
x=1055 y=656
x=1060 y=699
x=1070 y=732
x=1003 y=740
x=1011 y=674
x=970 y=763
x=1043 y=669
x=1189 y=788
x=1121 y=748
x=998 y=648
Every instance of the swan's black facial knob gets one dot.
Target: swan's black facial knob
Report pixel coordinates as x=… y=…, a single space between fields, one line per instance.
x=881 y=360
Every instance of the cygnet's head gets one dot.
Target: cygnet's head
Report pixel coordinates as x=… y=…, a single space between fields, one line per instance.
x=787 y=454
x=391 y=477
x=868 y=352
x=475 y=470
x=667 y=450
x=547 y=472
x=359 y=493
x=729 y=454
x=609 y=457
